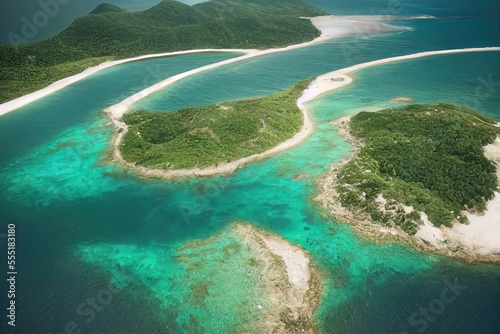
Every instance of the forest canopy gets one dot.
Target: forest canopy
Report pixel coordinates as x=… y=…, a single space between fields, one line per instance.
x=429 y=157
x=206 y=136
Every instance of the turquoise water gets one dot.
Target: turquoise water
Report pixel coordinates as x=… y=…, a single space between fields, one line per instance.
x=86 y=230
x=67 y=136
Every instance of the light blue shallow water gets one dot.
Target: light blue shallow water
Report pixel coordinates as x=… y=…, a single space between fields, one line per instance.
x=83 y=223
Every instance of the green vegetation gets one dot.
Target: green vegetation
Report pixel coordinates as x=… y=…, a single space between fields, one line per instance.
x=168 y=26
x=429 y=157
x=29 y=78
x=106 y=8
x=206 y=136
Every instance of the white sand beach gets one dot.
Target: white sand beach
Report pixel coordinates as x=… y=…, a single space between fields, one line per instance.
x=483 y=232
x=481 y=237
x=54 y=87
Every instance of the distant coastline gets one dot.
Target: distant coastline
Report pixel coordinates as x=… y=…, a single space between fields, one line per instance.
x=329 y=26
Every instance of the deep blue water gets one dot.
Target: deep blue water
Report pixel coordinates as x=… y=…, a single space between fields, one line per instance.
x=80 y=221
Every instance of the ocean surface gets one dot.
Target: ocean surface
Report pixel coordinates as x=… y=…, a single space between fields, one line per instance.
x=102 y=251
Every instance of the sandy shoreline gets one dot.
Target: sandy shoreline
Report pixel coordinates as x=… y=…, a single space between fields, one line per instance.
x=483 y=232
x=312 y=92
x=330 y=27
x=60 y=84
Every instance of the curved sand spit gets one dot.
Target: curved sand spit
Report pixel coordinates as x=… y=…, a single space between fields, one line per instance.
x=322 y=85
x=329 y=26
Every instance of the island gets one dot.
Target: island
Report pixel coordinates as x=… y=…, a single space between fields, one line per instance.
x=213 y=139
x=414 y=174
x=291 y=282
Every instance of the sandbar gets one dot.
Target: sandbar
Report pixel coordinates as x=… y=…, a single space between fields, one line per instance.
x=329 y=27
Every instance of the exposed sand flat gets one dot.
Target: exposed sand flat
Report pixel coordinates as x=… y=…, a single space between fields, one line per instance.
x=482 y=235
x=431 y=233
x=483 y=232
x=296 y=262
x=362 y=25
x=292 y=284
x=324 y=84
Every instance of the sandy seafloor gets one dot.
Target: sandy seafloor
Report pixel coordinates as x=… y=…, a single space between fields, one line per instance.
x=82 y=224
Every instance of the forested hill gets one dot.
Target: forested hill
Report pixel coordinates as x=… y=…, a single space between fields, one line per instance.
x=168 y=26
x=106 y=8
x=429 y=157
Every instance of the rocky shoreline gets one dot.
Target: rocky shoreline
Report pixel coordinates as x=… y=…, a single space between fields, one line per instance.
x=291 y=282
x=364 y=225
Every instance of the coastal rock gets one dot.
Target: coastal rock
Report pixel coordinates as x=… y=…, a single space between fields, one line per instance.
x=278 y=278
x=291 y=283
x=399 y=100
